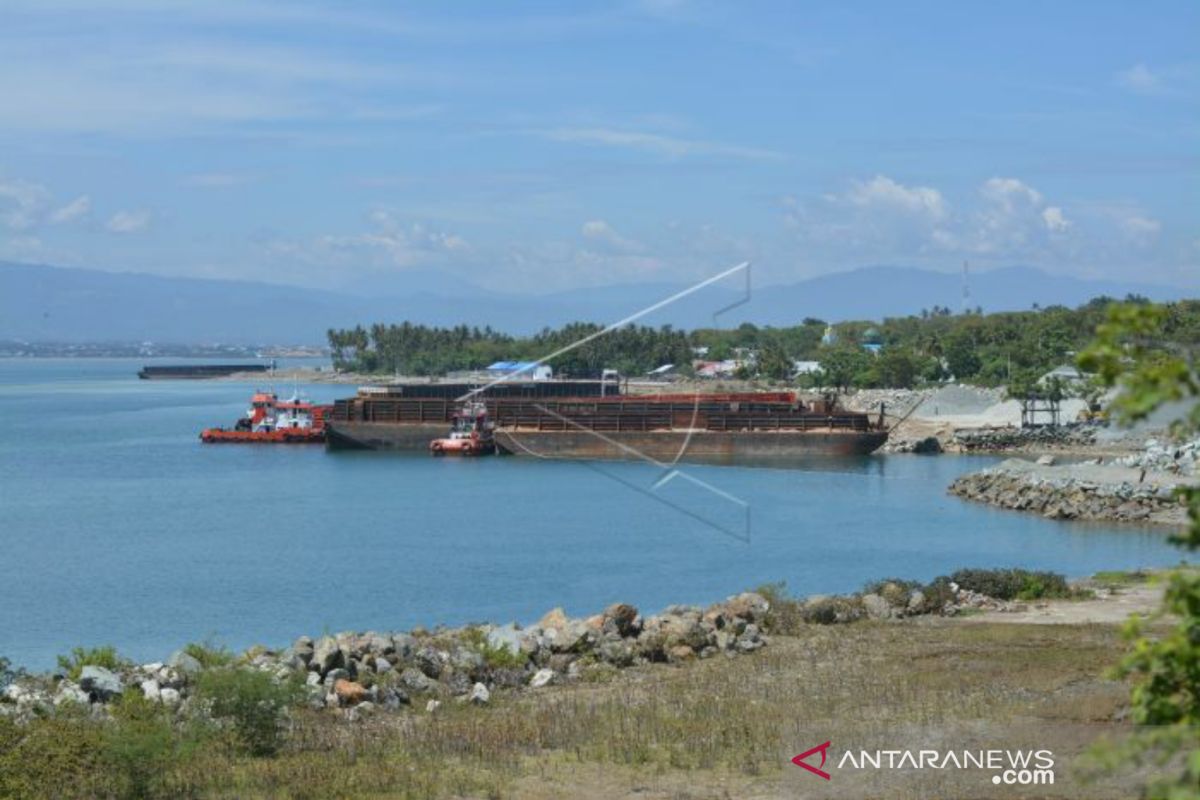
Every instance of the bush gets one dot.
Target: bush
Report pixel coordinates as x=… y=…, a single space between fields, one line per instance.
x=253 y=702
x=501 y=657
x=1013 y=584
x=894 y=590
x=80 y=657
x=60 y=756
x=832 y=610
x=141 y=745
x=209 y=654
x=784 y=613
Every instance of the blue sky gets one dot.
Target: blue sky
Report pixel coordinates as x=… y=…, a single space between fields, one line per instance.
x=545 y=146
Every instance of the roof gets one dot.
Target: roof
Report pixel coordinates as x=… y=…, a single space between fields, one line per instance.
x=663 y=370
x=514 y=366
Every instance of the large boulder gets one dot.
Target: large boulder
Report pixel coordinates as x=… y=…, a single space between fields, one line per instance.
x=100 y=683
x=349 y=693
x=326 y=655
x=622 y=619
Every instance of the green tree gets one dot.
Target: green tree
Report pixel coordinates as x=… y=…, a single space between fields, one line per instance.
x=843 y=365
x=1133 y=350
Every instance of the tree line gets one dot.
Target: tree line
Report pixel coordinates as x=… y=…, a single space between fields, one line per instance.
x=1007 y=348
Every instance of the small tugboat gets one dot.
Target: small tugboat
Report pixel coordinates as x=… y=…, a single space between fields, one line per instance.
x=470 y=434
x=271 y=421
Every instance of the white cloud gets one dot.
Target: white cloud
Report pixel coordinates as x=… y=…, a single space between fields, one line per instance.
x=128 y=221
x=1010 y=193
x=600 y=231
x=1141 y=228
x=22 y=204
x=1140 y=79
x=73 y=210
x=391 y=243
x=883 y=192
x=1054 y=219
x=669 y=146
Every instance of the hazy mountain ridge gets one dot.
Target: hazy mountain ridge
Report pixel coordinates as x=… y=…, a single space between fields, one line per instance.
x=44 y=303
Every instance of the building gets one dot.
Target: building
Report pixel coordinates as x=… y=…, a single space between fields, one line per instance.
x=521 y=370
x=806 y=367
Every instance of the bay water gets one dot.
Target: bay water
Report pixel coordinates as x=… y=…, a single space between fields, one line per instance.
x=118 y=526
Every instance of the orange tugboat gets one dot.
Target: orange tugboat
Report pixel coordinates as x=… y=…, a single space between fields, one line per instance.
x=470 y=434
x=271 y=421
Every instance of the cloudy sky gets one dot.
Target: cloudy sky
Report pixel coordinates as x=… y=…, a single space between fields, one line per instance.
x=536 y=147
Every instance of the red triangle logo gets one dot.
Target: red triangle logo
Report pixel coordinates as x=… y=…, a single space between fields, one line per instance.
x=800 y=762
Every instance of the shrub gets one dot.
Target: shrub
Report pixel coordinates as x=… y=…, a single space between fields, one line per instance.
x=59 y=756
x=141 y=745
x=832 y=610
x=80 y=657
x=893 y=590
x=252 y=701
x=784 y=612
x=1013 y=584
x=209 y=654
x=501 y=657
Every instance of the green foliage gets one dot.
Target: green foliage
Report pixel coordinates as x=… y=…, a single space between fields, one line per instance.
x=993 y=350
x=210 y=654
x=59 y=756
x=142 y=745
x=1013 y=584
x=105 y=656
x=784 y=612
x=252 y=702
x=1149 y=352
x=500 y=657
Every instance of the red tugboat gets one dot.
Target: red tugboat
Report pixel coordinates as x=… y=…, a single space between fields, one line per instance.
x=271 y=421
x=470 y=434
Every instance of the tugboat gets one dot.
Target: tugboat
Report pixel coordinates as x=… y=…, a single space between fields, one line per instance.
x=470 y=434
x=271 y=421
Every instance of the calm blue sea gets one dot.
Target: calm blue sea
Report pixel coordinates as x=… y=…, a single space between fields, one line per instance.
x=118 y=526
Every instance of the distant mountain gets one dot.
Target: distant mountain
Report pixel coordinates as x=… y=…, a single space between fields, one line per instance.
x=43 y=303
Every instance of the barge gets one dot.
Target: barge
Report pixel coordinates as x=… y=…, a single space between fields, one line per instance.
x=198 y=371
x=543 y=422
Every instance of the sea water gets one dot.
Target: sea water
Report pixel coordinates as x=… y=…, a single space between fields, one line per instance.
x=118 y=526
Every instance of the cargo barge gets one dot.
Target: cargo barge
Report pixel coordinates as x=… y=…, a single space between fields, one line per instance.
x=198 y=371
x=544 y=422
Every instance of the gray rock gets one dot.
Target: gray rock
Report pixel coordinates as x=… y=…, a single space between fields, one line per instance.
x=100 y=683
x=169 y=697
x=416 y=681
x=184 y=664
x=382 y=666
x=1046 y=461
x=151 y=690
x=70 y=693
x=327 y=655
x=480 y=695
x=506 y=637
x=432 y=706
x=916 y=601
x=876 y=606
x=543 y=677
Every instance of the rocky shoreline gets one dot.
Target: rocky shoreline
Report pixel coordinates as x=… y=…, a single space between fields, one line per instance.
x=1137 y=488
x=359 y=673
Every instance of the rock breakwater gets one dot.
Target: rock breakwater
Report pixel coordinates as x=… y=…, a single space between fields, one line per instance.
x=1074 y=491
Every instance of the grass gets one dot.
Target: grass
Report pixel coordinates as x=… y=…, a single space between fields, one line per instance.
x=105 y=656
x=721 y=727
x=1117 y=579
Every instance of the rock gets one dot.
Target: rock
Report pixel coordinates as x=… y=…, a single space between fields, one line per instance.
x=554 y=618
x=151 y=690
x=169 y=697
x=100 y=683
x=876 y=606
x=429 y=661
x=480 y=695
x=624 y=619
x=184 y=664
x=382 y=666
x=1045 y=461
x=916 y=601
x=326 y=655
x=70 y=693
x=750 y=606
x=313 y=679
x=349 y=693
x=393 y=698
x=432 y=706
x=543 y=677
x=458 y=683
x=618 y=652
x=505 y=637
x=680 y=652
x=416 y=681
x=403 y=646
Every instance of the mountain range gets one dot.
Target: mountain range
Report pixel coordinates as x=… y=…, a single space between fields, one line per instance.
x=46 y=303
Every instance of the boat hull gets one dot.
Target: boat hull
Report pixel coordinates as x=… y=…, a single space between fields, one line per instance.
x=720 y=447
x=286 y=436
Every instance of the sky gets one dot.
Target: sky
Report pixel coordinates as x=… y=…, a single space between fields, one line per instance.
x=535 y=147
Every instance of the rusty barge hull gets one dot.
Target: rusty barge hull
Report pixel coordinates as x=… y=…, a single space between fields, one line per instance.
x=710 y=447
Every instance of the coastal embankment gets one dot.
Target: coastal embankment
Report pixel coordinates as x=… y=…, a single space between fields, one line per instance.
x=611 y=706
x=1140 y=487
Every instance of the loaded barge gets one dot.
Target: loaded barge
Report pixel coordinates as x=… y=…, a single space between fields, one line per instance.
x=585 y=420
x=198 y=371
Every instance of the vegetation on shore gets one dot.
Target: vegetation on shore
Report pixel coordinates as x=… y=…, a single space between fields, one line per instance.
x=1011 y=348
x=1132 y=352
